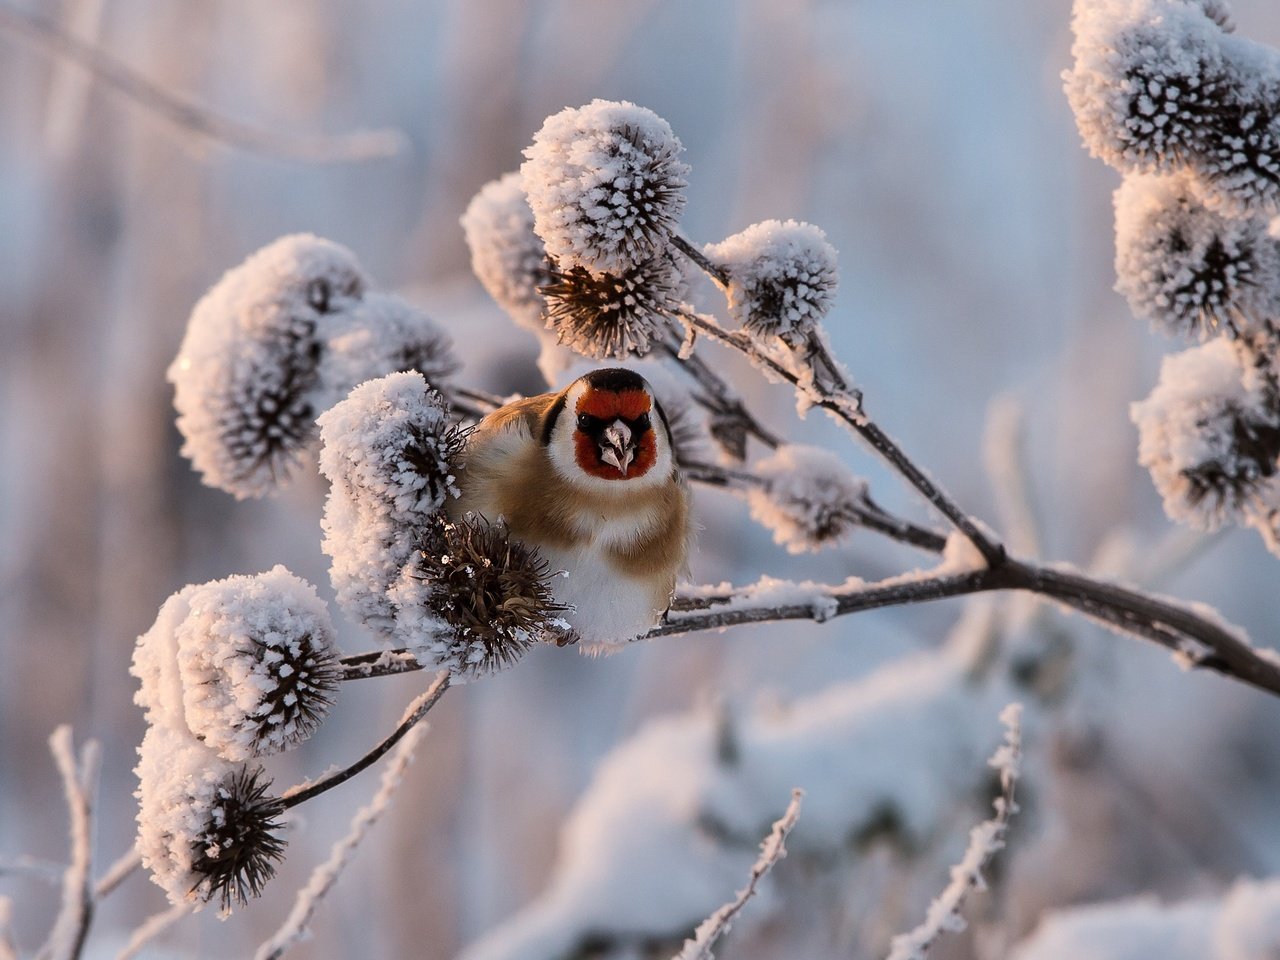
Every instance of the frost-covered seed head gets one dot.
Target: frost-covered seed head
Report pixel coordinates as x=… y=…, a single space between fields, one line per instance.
x=206 y=826
x=606 y=185
x=388 y=451
x=1158 y=85
x=246 y=372
x=489 y=594
x=782 y=277
x=236 y=852
x=385 y=334
x=1189 y=269
x=1219 y=12
x=1209 y=435
x=612 y=316
x=507 y=257
x=810 y=499
x=257 y=663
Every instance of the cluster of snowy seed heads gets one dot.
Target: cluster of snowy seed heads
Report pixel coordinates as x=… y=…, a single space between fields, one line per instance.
x=231 y=671
x=276 y=341
x=1190 y=114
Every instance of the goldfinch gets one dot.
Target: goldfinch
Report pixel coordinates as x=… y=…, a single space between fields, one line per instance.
x=588 y=476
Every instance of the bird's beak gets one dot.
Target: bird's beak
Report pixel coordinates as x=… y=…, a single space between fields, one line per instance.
x=616 y=447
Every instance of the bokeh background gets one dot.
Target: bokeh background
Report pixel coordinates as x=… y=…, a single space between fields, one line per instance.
x=930 y=139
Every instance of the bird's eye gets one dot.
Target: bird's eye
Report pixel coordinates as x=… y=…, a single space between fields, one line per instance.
x=584 y=421
x=642 y=422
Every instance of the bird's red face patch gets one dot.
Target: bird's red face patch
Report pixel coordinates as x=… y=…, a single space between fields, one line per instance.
x=597 y=411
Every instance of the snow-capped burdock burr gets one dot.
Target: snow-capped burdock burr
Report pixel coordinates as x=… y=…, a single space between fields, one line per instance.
x=388 y=451
x=207 y=828
x=1158 y=85
x=246 y=373
x=606 y=185
x=1187 y=268
x=782 y=277
x=507 y=257
x=474 y=599
x=1210 y=435
x=612 y=315
x=811 y=499
x=257 y=663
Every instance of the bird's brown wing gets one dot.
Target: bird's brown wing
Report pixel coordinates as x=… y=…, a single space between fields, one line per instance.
x=529 y=411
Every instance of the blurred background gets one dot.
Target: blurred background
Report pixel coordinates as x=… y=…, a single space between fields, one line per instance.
x=932 y=142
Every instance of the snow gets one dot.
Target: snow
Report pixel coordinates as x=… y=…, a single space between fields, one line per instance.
x=605 y=184
x=811 y=498
x=782 y=275
x=653 y=842
x=1242 y=924
x=507 y=256
x=179 y=784
x=386 y=451
x=1148 y=86
x=247 y=367
x=249 y=648
x=1187 y=268
x=1192 y=433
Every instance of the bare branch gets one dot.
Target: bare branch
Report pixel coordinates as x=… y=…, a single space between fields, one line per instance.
x=344 y=148
x=151 y=928
x=413 y=713
x=117 y=873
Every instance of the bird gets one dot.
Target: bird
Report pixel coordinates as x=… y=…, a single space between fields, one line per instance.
x=588 y=476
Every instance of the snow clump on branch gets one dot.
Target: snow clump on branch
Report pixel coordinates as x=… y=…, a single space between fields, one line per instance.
x=1210 y=435
x=1187 y=268
x=782 y=277
x=810 y=500
x=507 y=256
x=1158 y=85
x=606 y=185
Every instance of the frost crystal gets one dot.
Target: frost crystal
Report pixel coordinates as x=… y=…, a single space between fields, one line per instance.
x=1210 y=436
x=811 y=498
x=605 y=315
x=206 y=827
x=782 y=276
x=1187 y=268
x=388 y=451
x=385 y=334
x=507 y=256
x=257 y=663
x=1157 y=85
x=474 y=599
x=606 y=185
x=245 y=375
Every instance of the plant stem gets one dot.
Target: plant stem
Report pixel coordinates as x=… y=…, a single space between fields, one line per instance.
x=413 y=713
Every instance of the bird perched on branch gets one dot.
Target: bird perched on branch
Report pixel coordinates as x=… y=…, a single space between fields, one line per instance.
x=588 y=476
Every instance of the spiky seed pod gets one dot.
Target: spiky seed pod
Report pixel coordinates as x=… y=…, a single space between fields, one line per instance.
x=507 y=256
x=605 y=315
x=782 y=277
x=207 y=828
x=475 y=599
x=1220 y=13
x=1210 y=436
x=247 y=371
x=388 y=451
x=237 y=850
x=606 y=185
x=257 y=663
x=1188 y=269
x=810 y=499
x=1157 y=85
x=384 y=334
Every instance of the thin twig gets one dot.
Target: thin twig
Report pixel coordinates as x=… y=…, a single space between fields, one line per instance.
x=847 y=408
x=343 y=148
x=701 y=260
x=295 y=927
x=8 y=949
x=151 y=928
x=413 y=713
x=772 y=850
x=79 y=781
x=118 y=872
